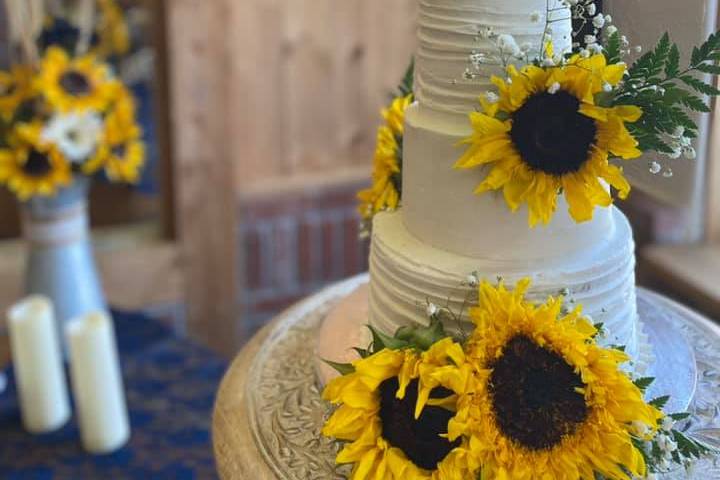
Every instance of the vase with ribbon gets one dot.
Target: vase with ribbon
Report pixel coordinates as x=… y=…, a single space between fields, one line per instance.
x=60 y=262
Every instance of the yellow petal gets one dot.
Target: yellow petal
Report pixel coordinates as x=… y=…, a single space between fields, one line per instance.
x=580 y=207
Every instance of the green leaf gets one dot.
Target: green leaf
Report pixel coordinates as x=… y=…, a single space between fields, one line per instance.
x=342 y=368
x=688 y=447
x=695 y=103
x=613 y=49
x=422 y=337
x=407 y=85
x=672 y=68
x=660 y=402
x=382 y=341
x=644 y=383
x=699 y=85
x=362 y=352
x=707 y=51
x=678 y=417
x=710 y=68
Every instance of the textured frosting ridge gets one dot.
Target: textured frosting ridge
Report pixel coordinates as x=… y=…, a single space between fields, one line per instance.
x=406 y=273
x=449 y=31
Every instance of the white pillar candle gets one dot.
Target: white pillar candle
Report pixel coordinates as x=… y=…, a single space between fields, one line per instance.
x=38 y=365
x=97 y=383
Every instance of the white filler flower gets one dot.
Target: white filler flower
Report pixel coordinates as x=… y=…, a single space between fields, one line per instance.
x=508 y=45
x=76 y=134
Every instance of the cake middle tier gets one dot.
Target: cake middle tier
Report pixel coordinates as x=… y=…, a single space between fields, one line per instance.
x=407 y=273
x=440 y=208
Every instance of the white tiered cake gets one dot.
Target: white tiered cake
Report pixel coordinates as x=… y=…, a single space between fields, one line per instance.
x=443 y=232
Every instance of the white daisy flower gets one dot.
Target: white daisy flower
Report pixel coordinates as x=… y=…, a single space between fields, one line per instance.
x=76 y=134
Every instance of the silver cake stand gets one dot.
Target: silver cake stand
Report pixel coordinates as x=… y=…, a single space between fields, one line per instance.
x=269 y=413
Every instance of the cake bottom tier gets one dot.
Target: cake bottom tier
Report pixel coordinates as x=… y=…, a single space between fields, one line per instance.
x=407 y=274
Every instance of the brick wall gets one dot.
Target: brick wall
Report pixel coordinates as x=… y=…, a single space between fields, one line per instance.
x=296 y=243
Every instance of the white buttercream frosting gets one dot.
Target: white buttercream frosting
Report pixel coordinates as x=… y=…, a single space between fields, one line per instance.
x=440 y=208
x=406 y=273
x=451 y=30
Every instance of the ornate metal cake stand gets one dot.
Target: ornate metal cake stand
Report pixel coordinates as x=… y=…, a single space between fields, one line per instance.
x=269 y=413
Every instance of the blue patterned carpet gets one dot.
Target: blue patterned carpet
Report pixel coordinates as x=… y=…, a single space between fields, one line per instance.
x=170 y=385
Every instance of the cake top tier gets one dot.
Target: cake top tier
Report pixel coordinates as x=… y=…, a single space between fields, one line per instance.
x=464 y=42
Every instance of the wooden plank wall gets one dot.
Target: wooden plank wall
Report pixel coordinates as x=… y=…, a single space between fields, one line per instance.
x=265 y=91
x=308 y=78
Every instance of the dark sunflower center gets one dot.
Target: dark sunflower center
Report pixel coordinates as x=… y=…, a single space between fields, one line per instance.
x=533 y=391
x=419 y=439
x=75 y=83
x=551 y=134
x=7 y=90
x=119 y=150
x=37 y=164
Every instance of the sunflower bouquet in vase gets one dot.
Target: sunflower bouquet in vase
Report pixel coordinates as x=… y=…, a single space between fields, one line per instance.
x=66 y=118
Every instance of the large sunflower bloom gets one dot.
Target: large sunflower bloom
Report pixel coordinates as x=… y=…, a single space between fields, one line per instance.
x=547 y=135
x=546 y=400
x=30 y=166
x=75 y=84
x=376 y=416
x=386 y=189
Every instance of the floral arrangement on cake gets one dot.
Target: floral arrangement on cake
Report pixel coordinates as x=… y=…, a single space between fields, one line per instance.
x=385 y=192
x=64 y=113
x=529 y=393
x=557 y=125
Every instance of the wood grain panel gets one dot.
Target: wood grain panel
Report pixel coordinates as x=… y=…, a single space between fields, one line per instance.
x=307 y=80
x=205 y=195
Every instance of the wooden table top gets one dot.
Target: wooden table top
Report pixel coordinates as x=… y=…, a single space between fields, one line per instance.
x=236 y=454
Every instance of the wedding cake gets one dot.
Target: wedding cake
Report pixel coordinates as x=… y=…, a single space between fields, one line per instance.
x=423 y=252
x=500 y=335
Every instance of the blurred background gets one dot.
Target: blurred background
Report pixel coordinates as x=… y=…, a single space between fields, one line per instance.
x=260 y=120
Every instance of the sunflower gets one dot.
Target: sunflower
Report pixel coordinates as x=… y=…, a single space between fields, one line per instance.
x=546 y=401
x=548 y=135
x=122 y=152
x=30 y=166
x=15 y=88
x=114 y=36
x=386 y=189
x=121 y=121
x=75 y=84
x=124 y=161
x=376 y=416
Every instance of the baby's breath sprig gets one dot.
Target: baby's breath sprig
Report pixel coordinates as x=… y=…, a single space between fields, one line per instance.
x=672 y=445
